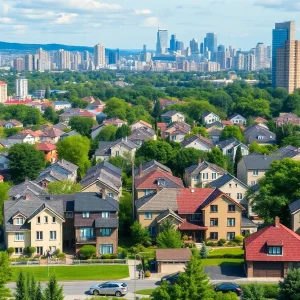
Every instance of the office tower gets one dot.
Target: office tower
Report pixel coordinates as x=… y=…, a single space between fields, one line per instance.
x=173 y=41
x=260 y=56
x=29 y=62
x=210 y=42
x=3 y=91
x=162 y=41
x=194 y=45
x=113 y=56
x=180 y=47
x=188 y=51
x=285 y=31
x=21 y=88
x=63 y=60
x=19 y=64
x=250 y=62
x=288 y=66
x=99 y=56
x=42 y=60
x=202 y=48
x=85 y=55
x=76 y=61
x=221 y=48
x=239 y=61
x=221 y=59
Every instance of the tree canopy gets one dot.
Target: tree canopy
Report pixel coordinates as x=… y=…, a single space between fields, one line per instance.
x=64 y=187
x=232 y=131
x=82 y=125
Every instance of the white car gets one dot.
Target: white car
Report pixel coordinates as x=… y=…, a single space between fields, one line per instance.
x=117 y=289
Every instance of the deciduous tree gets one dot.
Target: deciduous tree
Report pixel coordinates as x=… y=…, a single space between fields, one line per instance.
x=82 y=125
x=64 y=187
x=232 y=131
x=289 y=289
x=169 y=238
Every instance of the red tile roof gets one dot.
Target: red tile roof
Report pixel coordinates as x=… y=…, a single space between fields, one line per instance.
x=53 y=133
x=33 y=133
x=185 y=225
x=256 y=244
x=45 y=147
x=227 y=122
x=260 y=120
x=161 y=126
x=149 y=181
x=2 y=83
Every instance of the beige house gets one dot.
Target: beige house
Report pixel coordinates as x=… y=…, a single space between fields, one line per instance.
x=198 y=142
x=209 y=117
x=202 y=174
x=140 y=124
x=172 y=116
x=253 y=167
x=32 y=222
x=295 y=216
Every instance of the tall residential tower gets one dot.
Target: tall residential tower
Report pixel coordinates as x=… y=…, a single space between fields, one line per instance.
x=162 y=41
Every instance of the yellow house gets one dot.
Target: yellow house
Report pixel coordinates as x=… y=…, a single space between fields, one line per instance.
x=32 y=222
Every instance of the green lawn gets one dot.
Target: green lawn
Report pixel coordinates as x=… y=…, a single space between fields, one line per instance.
x=75 y=272
x=222 y=251
x=145 y=292
x=222 y=261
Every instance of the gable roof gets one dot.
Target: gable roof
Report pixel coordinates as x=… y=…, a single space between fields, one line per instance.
x=105 y=165
x=231 y=141
x=25 y=187
x=195 y=169
x=171 y=113
x=287 y=151
x=151 y=165
x=53 y=132
x=294 y=206
x=276 y=235
x=45 y=147
x=253 y=132
x=168 y=212
x=259 y=161
x=221 y=181
x=207 y=113
x=236 y=115
x=142 y=122
x=182 y=254
x=200 y=138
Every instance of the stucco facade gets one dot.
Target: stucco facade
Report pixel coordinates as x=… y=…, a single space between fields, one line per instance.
x=98 y=186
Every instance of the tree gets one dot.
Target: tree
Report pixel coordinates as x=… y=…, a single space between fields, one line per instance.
x=121 y=162
x=123 y=131
x=4 y=187
x=125 y=213
x=116 y=107
x=169 y=239
x=166 y=224
x=53 y=291
x=255 y=147
x=200 y=130
x=253 y=292
x=215 y=156
x=75 y=149
x=108 y=133
x=87 y=251
x=64 y=187
x=139 y=234
x=157 y=111
x=238 y=158
x=292 y=140
x=203 y=251
x=289 y=288
x=51 y=115
x=227 y=296
x=21 y=288
x=39 y=293
x=5 y=275
x=47 y=93
x=232 y=131
x=25 y=161
x=279 y=188
x=82 y=125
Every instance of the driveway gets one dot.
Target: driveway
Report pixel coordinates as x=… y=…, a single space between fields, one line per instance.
x=225 y=272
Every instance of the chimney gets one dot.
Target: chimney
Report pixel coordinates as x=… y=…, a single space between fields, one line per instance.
x=277 y=222
x=27 y=196
x=141 y=170
x=103 y=192
x=199 y=161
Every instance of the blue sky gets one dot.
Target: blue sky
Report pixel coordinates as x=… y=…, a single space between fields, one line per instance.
x=132 y=23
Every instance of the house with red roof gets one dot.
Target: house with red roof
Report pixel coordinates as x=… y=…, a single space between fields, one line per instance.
x=272 y=251
x=49 y=151
x=201 y=213
x=75 y=112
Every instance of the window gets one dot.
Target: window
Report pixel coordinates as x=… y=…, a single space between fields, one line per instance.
x=214 y=175
x=39 y=250
x=213 y=236
x=117 y=153
x=38 y=220
x=52 y=235
x=230 y=222
x=105 y=214
x=214 y=222
x=86 y=215
x=69 y=214
x=53 y=220
x=147 y=192
x=46 y=219
x=275 y=250
x=231 y=208
x=19 y=221
x=236 y=185
x=214 y=208
x=19 y=236
x=239 y=196
x=106 y=249
x=52 y=248
x=230 y=185
x=111 y=195
x=204 y=175
x=229 y=151
x=86 y=232
x=39 y=235
x=255 y=172
x=195 y=217
x=148 y=215
x=230 y=236
x=260 y=137
x=196 y=177
x=19 y=250
x=105 y=231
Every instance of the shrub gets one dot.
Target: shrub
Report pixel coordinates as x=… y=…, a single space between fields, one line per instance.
x=147 y=274
x=105 y=256
x=271 y=290
x=113 y=256
x=232 y=244
x=29 y=251
x=124 y=253
x=221 y=242
x=239 y=239
x=204 y=252
x=10 y=250
x=211 y=244
x=61 y=255
x=56 y=252
x=87 y=251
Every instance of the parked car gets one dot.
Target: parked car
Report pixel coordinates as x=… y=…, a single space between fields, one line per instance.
x=171 y=278
x=117 y=289
x=227 y=287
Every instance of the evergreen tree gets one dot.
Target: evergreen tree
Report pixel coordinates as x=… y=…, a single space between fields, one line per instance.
x=21 y=288
x=238 y=157
x=157 y=111
x=53 y=291
x=253 y=292
x=39 y=293
x=123 y=131
x=204 y=252
x=32 y=287
x=47 y=93
x=289 y=289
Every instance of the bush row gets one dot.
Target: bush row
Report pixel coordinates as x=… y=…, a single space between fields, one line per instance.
x=270 y=290
x=100 y=261
x=228 y=255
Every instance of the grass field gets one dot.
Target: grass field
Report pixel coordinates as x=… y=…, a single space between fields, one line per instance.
x=147 y=292
x=222 y=251
x=222 y=262
x=75 y=272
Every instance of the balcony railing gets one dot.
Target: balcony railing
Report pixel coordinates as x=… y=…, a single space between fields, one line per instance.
x=84 y=239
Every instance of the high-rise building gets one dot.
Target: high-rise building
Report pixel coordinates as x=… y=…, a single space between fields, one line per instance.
x=42 y=60
x=202 y=48
x=29 y=62
x=99 y=56
x=113 y=56
x=63 y=59
x=260 y=56
x=3 y=91
x=21 y=88
x=173 y=41
x=250 y=64
x=221 y=59
x=288 y=66
x=285 y=31
x=19 y=64
x=162 y=41
x=76 y=61
x=221 y=48
x=210 y=42
x=194 y=45
x=180 y=47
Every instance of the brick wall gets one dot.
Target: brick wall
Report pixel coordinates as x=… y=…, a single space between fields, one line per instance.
x=113 y=239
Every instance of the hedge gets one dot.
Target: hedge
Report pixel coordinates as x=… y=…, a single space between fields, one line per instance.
x=228 y=255
x=270 y=290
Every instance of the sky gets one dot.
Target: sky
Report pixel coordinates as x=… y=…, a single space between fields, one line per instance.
x=128 y=24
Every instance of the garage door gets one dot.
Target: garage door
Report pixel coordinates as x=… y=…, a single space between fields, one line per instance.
x=169 y=268
x=268 y=269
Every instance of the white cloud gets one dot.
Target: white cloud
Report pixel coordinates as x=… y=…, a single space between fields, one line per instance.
x=5 y=20
x=65 y=18
x=288 y=5
x=5 y=8
x=150 y=22
x=142 y=12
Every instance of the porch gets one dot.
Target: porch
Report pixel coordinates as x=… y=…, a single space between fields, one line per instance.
x=194 y=231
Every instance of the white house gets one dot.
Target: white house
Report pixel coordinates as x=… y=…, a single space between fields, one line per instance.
x=198 y=142
x=230 y=146
x=209 y=117
x=59 y=105
x=237 y=119
x=22 y=138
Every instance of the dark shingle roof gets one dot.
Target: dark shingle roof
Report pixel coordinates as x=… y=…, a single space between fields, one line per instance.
x=171 y=113
x=196 y=137
x=253 y=132
x=107 y=166
x=287 y=151
x=26 y=187
x=259 y=162
x=152 y=165
x=294 y=206
x=248 y=223
x=221 y=181
x=228 y=142
x=107 y=223
x=195 y=169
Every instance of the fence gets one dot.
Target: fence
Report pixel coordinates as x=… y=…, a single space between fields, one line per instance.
x=100 y=261
x=27 y=262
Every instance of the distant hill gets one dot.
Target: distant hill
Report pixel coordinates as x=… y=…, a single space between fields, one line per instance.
x=54 y=47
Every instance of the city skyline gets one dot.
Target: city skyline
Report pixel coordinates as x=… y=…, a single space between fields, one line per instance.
x=130 y=25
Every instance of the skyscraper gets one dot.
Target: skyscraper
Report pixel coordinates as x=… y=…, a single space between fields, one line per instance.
x=194 y=45
x=113 y=56
x=99 y=56
x=173 y=41
x=19 y=64
x=3 y=91
x=22 y=88
x=29 y=62
x=162 y=41
x=63 y=60
x=202 y=48
x=285 y=31
x=210 y=42
x=260 y=56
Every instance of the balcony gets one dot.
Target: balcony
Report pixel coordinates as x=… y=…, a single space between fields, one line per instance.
x=86 y=239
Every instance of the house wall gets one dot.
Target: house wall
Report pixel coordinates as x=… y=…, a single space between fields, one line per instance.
x=177 y=138
x=295 y=222
x=178 y=118
x=122 y=151
x=192 y=182
x=222 y=216
x=233 y=190
x=148 y=222
x=97 y=186
x=4 y=162
x=242 y=173
x=211 y=118
x=51 y=156
x=11 y=242
x=198 y=145
x=113 y=240
x=253 y=178
x=141 y=192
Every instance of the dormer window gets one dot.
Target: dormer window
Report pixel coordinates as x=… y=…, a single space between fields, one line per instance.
x=260 y=137
x=19 y=221
x=275 y=250
x=161 y=182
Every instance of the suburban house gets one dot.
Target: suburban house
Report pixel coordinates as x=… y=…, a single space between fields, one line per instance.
x=272 y=251
x=97 y=105
x=96 y=130
x=209 y=117
x=22 y=138
x=176 y=131
x=70 y=133
x=295 y=216
x=60 y=170
x=139 y=135
x=6 y=143
x=103 y=176
x=237 y=119
x=61 y=125
x=215 y=125
x=32 y=222
x=114 y=121
x=149 y=166
x=252 y=167
x=202 y=174
x=260 y=120
x=51 y=135
x=75 y=112
x=59 y=105
x=259 y=134
x=49 y=151
x=11 y=124
x=4 y=161
x=201 y=213
x=285 y=118
x=198 y=142
x=154 y=181
x=121 y=147
x=96 y=222
x=288 y=152
x=167 y=102
x=172 y=116
x=26 y=187
x=140 y=124
x=215 y=135
x=230 y=146
x=36 y=134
